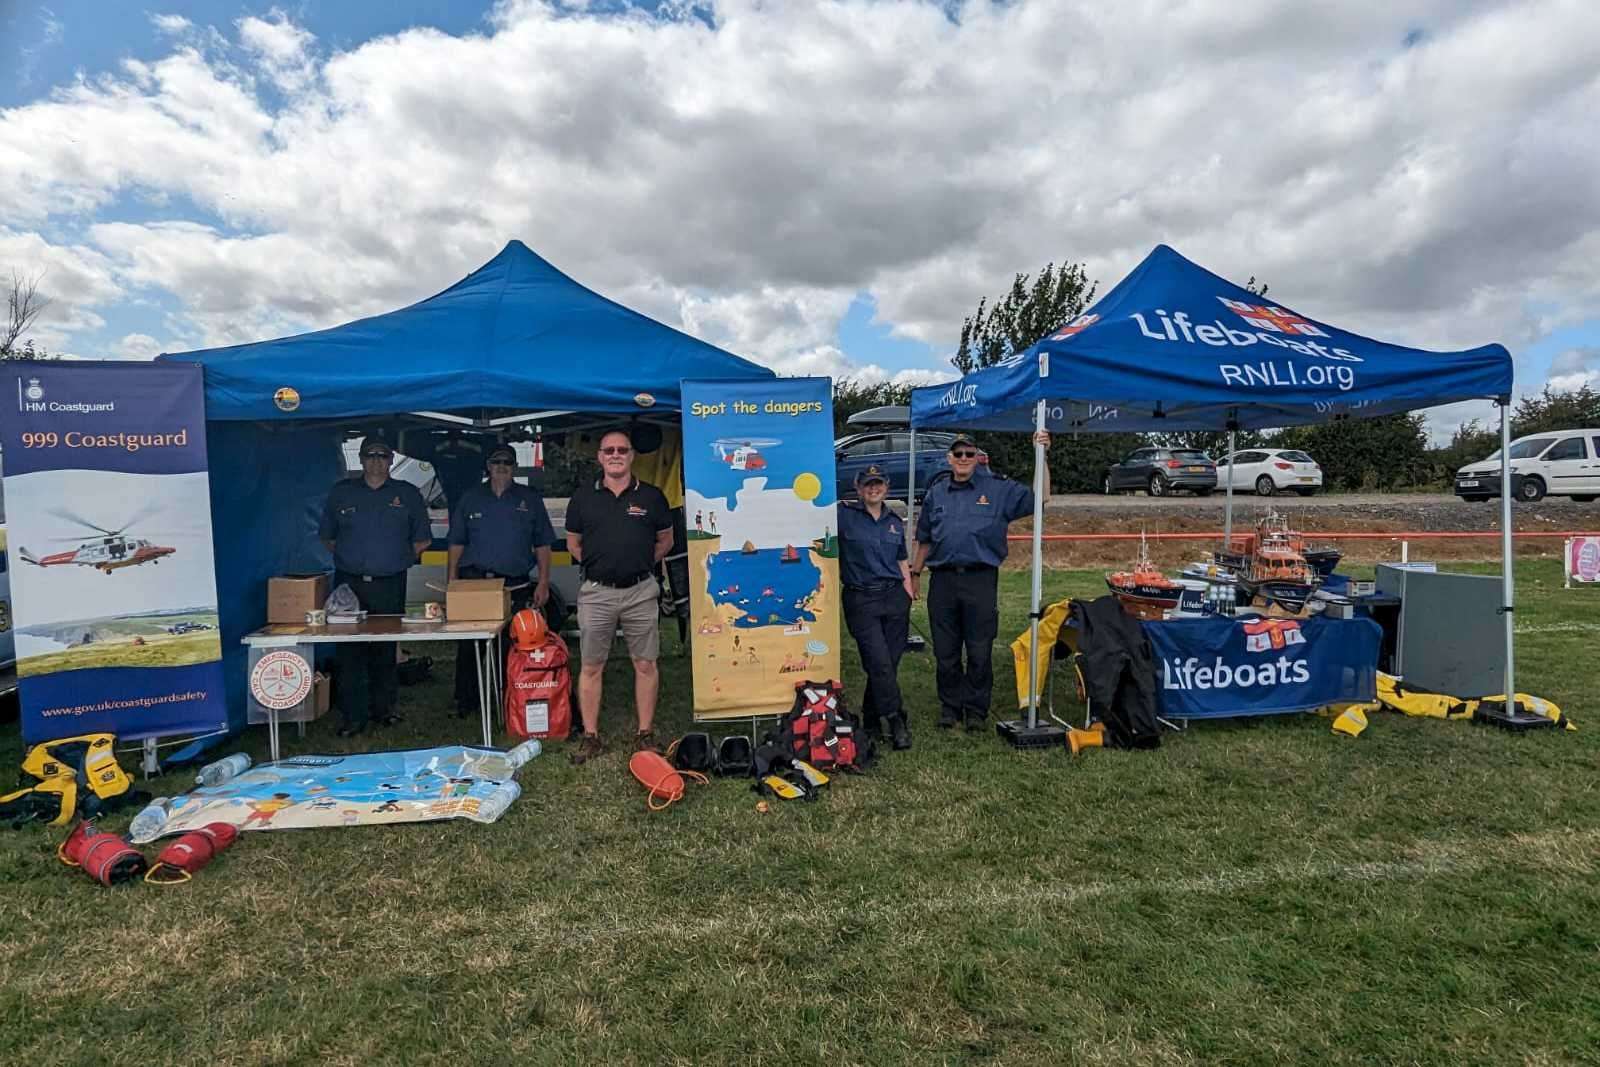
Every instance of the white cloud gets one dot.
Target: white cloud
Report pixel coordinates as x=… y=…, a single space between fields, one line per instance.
x=138 y=346
x=749 y=174
x=171 y=25
x=282 y=47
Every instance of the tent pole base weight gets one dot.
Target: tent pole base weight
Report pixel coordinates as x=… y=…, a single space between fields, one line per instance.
x=1494 y=713
x=1019 y=734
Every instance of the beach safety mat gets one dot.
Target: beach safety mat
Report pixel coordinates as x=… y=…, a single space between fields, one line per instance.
x=356 y=789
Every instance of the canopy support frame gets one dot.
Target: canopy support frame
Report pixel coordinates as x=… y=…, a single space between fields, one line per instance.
x=1507 y=608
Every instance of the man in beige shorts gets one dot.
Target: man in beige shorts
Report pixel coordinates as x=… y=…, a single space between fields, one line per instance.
x=618 y=529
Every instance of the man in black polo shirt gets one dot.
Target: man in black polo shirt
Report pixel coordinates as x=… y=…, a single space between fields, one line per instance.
x=498 y=529
x=618 y=529
x=375 y=527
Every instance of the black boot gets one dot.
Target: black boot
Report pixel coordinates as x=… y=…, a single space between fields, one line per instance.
x=872 y=726
x=900 y=732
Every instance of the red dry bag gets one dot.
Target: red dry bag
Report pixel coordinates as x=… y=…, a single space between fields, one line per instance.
x=539 y=690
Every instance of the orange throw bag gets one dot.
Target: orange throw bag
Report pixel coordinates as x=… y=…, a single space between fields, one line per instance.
x=661 y=778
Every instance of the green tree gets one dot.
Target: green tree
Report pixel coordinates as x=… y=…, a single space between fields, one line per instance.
x=1027 y=312
x=1033 y=308
x=851 y=396
x=1387 y=452
x=1550 y=411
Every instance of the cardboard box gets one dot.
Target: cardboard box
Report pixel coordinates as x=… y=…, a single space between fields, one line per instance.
x=290 y=596
x=477 y=600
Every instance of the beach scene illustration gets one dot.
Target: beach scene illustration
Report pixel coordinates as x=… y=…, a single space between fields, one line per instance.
x=763 y=565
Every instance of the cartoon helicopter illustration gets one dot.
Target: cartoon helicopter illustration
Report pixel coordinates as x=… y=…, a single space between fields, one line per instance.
x=112 y=550
x=743 y=454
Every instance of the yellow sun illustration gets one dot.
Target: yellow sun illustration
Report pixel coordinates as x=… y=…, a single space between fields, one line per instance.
x=807 y=486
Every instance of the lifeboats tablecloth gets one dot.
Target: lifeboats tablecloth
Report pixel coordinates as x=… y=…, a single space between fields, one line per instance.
x=1219 y=667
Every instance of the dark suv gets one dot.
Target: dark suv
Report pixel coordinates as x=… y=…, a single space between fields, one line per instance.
x=889 y=450
x=1158 y=471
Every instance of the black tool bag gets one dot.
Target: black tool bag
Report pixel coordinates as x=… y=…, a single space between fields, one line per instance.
x=1119 y=672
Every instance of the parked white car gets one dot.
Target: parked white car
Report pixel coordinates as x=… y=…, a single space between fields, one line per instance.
x=1269 y=471
x=1565 y=463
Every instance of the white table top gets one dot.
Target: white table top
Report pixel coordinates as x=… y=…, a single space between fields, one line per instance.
x=372 y=628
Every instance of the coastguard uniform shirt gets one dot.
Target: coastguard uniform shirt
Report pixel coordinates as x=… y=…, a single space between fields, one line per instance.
x=619 y=532
x=869 y=549
x=500 y=532
x=372 y=530
x=966 y=522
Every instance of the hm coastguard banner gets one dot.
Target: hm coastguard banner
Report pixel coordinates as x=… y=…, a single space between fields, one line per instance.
x=763 y=541
x=1217 y=667
x=109 y=549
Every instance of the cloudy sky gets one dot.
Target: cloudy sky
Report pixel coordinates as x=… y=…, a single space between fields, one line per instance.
x=827 y=187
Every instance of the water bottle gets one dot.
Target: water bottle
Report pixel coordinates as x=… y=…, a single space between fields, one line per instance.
x=223 y=769
x=147 y=825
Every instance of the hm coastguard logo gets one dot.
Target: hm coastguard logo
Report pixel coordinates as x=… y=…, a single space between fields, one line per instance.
x=35 y=391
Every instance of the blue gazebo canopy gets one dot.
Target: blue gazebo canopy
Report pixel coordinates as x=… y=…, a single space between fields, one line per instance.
x=514 y=334
x=1176 y=347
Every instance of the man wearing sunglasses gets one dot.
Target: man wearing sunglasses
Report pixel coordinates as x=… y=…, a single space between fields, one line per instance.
x=618 y=529
x=961 y=538
x=375 y=527
x=498 y=529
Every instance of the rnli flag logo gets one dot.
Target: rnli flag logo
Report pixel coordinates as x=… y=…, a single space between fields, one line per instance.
x=395 y=503
x=1272 y=318
x=983 y=500
x=1076 y=326
x=1271 y=635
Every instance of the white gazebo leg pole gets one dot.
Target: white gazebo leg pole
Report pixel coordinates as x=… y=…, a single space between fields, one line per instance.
x=1227 y=508
x=1505 y=551
x=1038 y=571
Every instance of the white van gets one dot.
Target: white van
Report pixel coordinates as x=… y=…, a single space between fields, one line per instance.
x=1562 y=463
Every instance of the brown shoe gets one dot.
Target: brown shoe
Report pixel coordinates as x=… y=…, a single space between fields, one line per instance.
x=590 y=747
x=645 y=741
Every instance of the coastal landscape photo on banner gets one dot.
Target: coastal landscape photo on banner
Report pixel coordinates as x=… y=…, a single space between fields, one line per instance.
x=759 y=506
x=109 y=549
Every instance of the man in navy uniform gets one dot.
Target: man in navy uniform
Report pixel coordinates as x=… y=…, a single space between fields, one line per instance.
x=877 y=599
x=375 y=527
x=498 y=529
x=961 y=538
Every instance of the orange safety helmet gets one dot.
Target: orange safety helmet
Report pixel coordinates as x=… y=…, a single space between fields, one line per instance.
x=528 y=629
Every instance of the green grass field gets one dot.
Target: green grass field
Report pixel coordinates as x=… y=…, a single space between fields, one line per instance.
x=1254 y=892
x=161 y=650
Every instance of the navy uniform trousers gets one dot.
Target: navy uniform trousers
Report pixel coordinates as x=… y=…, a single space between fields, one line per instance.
x=369 y=680
x=964 y=614
x=879 y=618
x=467 y=652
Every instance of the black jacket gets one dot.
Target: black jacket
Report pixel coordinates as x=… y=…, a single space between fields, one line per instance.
x=1119 y=672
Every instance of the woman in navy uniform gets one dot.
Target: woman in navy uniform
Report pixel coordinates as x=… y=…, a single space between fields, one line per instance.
x=877 y=599
x=961 y=538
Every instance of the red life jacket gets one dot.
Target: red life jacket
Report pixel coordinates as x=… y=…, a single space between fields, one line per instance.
x=539 y=690
x=819 y=728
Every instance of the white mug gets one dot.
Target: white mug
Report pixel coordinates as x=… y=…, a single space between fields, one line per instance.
x=316 y=617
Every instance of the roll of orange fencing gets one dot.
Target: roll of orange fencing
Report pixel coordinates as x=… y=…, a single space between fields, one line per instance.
x=665 y=782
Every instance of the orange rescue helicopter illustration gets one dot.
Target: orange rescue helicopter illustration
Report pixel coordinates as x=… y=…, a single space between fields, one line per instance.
x=112 y=550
